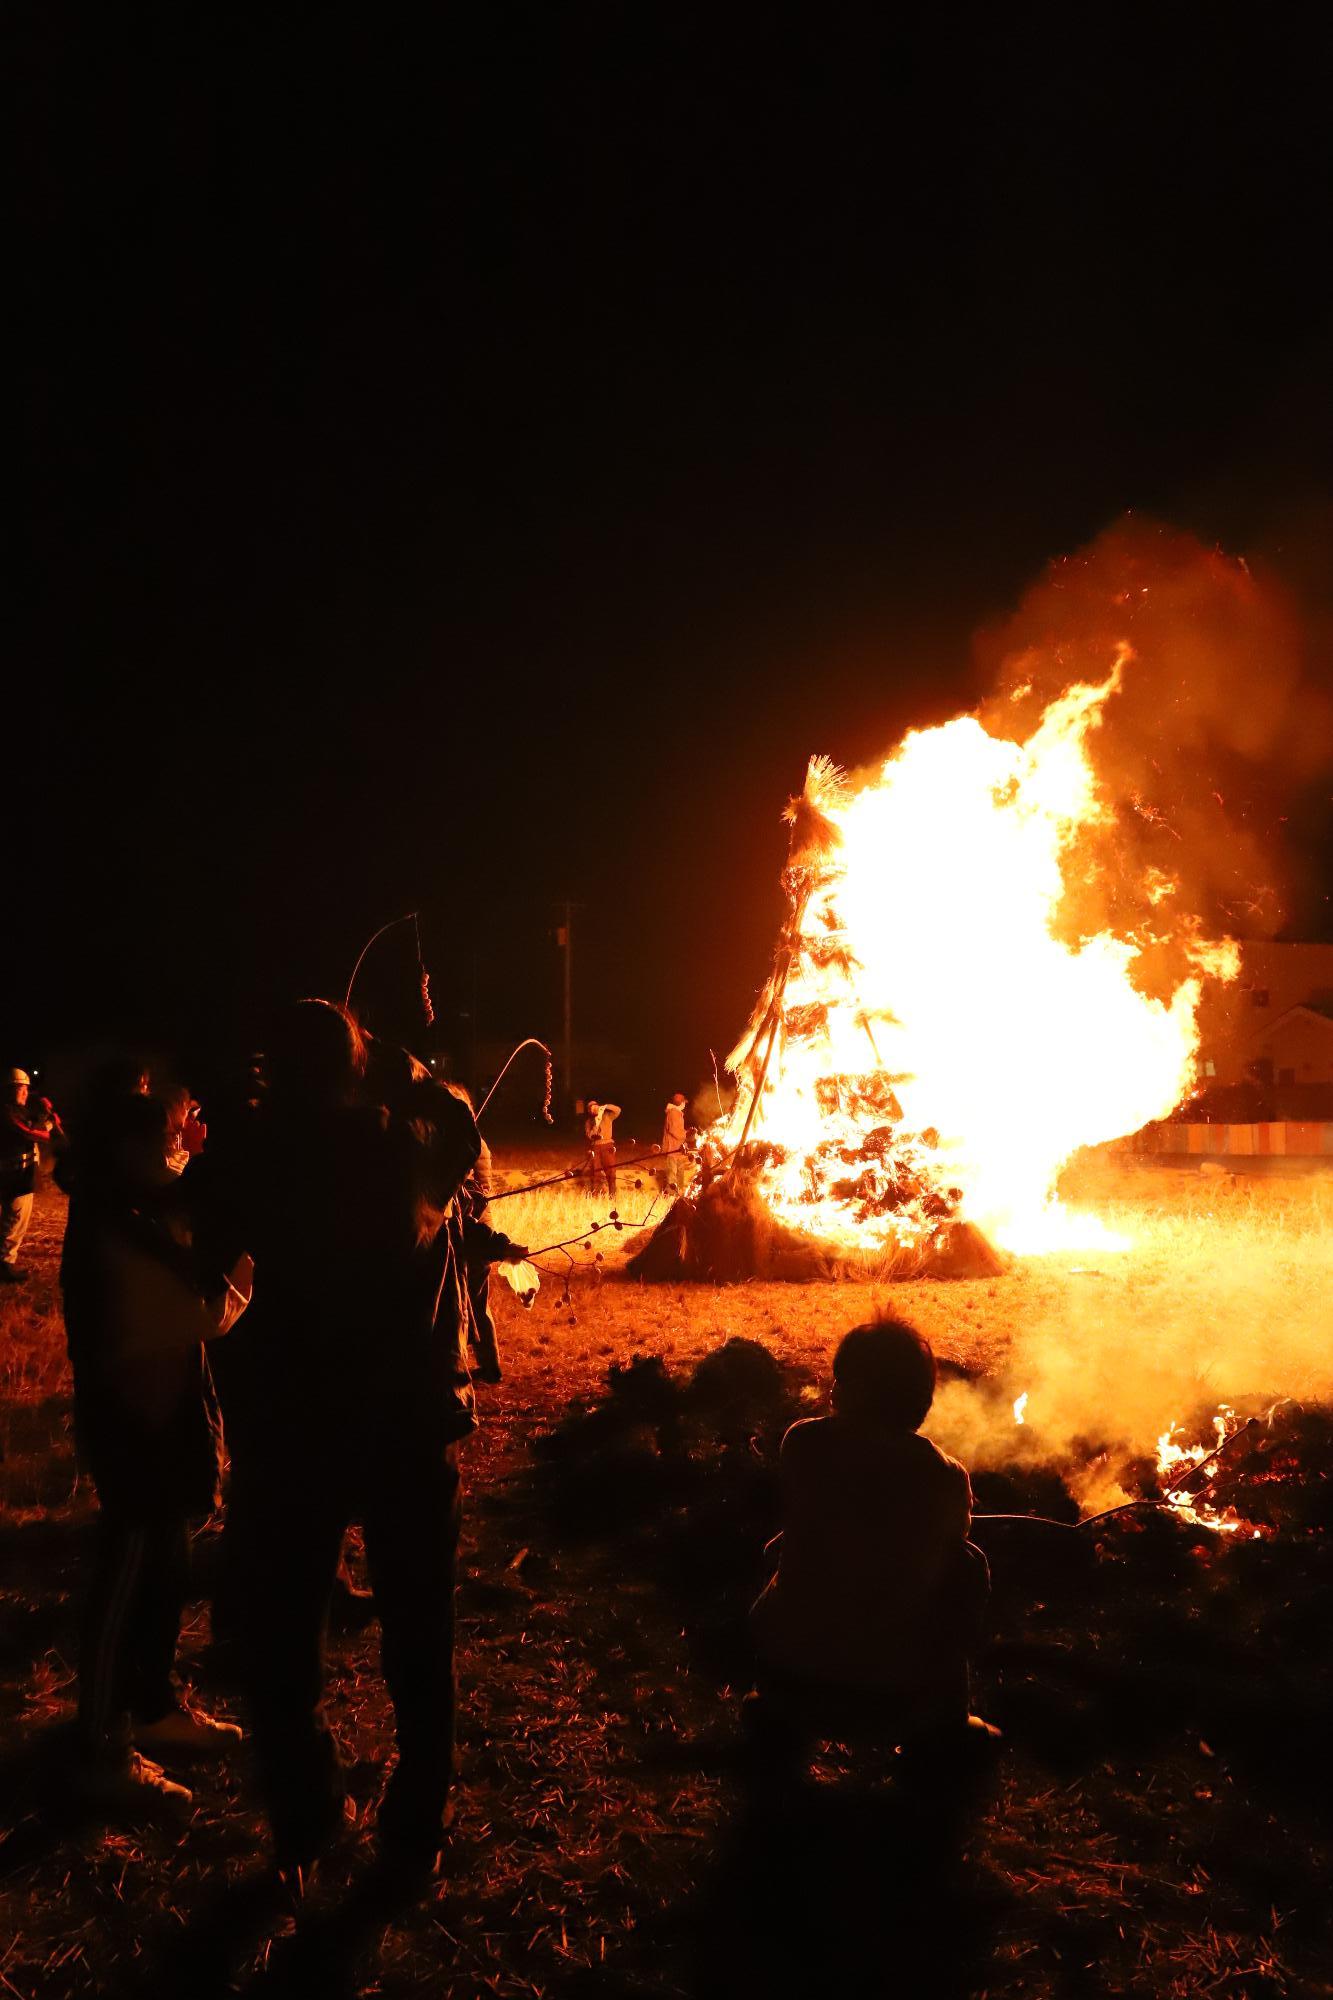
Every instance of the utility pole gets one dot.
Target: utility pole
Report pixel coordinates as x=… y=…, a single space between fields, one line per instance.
x=565 y=937
x=475 y=1025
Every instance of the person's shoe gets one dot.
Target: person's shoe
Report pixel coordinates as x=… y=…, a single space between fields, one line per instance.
x=137 y=1785
x=187 y=1733
x=297 y=1857
x=775 y=1752
x=409 y=1868
x=411 y=1854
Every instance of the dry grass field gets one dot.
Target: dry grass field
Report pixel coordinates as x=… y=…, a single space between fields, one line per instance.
x=1156 y=1825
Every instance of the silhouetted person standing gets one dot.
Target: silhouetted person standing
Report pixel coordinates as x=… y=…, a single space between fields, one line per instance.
x=345 y=1400
x=139 y=1305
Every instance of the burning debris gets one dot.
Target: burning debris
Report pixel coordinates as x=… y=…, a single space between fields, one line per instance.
x=1245 y=1479
x=1188 y=1467
x=724 y=1232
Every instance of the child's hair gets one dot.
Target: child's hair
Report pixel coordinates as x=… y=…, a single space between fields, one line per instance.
x=126 y=1146
x=316 y=1053
x=885 y=1370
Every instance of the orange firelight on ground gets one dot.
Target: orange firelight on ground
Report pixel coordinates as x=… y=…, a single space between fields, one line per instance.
x=928 y=1045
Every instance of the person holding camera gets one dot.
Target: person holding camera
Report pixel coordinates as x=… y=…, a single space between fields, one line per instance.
x=21 y=1130
x=599 y=1131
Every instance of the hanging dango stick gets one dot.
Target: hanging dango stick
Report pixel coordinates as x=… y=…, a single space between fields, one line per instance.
x=374 y=938
x=530 y=1043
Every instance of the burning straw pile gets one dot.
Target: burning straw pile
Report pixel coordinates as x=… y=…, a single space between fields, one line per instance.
x=931 y=1046
x=723 y=1232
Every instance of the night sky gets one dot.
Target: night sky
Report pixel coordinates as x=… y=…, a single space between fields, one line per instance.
x=467 y=472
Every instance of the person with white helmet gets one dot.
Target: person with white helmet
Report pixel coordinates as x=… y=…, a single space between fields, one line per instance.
x=20 y=1131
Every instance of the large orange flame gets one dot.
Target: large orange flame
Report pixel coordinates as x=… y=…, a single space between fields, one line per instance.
x=928 y=1047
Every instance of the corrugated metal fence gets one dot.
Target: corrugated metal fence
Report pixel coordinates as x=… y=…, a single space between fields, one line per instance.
x=1292 y=1138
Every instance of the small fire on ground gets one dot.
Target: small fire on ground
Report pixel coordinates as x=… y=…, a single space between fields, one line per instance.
x=1186 y=1470
x=936 y=1039
x=1174 y=1458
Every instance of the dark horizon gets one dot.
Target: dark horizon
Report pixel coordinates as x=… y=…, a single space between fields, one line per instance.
x=466 y=484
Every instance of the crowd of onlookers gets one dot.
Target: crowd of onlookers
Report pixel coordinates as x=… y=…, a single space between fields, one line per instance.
x=308 y=1276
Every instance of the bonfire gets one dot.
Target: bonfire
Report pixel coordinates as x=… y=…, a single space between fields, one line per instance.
x=939 y=1035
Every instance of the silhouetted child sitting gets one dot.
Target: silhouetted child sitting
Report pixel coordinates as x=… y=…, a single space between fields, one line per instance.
x=878 y=1596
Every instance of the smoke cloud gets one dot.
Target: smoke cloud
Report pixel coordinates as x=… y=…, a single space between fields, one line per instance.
x=1222 y=716
x=1218 y=736
x=1223 y=1299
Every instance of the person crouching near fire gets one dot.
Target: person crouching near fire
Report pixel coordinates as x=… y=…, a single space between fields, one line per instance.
x=878 y=1597
x=139 y=1306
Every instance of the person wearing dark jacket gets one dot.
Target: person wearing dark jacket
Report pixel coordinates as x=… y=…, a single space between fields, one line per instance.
x=346 y=1396
x=139 y=1306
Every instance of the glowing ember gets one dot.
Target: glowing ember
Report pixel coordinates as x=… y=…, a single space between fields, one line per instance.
x=1020 y=1407
x=927 y=1049
x=1175 y=1459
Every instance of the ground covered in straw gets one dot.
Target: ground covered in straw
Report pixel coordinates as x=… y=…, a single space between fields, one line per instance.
x=1157 y=1823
